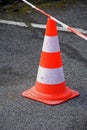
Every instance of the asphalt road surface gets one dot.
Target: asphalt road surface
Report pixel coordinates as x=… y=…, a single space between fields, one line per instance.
x=20 y=50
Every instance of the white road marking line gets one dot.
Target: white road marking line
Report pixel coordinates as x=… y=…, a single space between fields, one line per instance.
x=42 y=26
x=21 y=24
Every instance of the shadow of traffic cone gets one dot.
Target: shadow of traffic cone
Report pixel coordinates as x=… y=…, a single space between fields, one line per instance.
x=50 y=85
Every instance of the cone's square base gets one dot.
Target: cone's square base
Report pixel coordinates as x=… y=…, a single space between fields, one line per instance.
x=49 y=99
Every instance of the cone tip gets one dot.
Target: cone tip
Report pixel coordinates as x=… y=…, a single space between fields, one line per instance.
x=51 y=29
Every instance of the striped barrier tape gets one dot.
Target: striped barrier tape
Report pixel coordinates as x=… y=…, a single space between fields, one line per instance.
x=59 y=22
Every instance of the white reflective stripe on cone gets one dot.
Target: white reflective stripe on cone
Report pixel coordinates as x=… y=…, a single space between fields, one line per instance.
x=51 y=44
x=50 y=76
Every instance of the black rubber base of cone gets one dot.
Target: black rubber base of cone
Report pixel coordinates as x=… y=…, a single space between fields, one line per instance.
x=32 y=94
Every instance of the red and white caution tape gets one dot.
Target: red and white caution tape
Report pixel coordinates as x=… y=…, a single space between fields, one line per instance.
x=59 y=22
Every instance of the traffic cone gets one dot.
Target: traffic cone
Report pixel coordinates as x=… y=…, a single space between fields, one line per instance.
x=50 y=87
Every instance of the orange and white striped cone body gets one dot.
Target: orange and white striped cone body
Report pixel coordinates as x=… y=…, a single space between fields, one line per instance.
x=50 y=85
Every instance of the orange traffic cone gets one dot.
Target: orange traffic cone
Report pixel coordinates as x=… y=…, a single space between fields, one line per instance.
x=50 y=85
